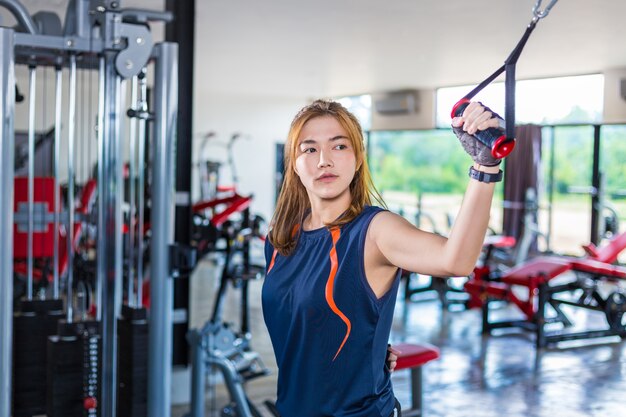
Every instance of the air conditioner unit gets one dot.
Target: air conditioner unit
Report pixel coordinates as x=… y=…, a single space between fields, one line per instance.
x=398 y=103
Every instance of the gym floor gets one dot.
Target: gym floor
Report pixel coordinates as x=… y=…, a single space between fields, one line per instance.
x=499 y=375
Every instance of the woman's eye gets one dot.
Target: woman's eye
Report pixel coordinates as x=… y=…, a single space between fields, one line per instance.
x=341 y=147
x=308 y=150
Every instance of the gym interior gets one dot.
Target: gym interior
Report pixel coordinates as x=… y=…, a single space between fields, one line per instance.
x=142 y=157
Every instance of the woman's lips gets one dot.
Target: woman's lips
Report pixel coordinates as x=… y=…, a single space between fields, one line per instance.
x=327 y=178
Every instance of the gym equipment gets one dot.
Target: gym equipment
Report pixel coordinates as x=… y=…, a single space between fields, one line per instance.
x=33 y=231
x=537 y=278
x=492 y=138
x=7 y=104
x=445 y=287
x=218 y=197
x=50 y=381
x=499 y=252
x=413 y=357
x=219 y=202
x=42 y=242
x=73 y=370
x=31 y=328
x=223 y=224
x=133 y=323
x=71 y=139
x=133 y=362
x=501 y=145
x=35 y=319
x=98 y=36
x=217 y=343
x=231 y=204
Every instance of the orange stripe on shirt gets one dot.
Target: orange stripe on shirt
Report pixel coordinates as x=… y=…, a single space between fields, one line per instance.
x=330 y=285
x=272 y=262
x=294 y=231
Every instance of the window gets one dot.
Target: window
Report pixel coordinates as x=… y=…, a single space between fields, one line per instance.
x=565 y=202
x=425 y=171
x=577 y=99
x=422 y=175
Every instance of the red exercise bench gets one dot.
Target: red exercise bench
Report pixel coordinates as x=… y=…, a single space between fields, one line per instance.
x=537 y=276
x=413 y=356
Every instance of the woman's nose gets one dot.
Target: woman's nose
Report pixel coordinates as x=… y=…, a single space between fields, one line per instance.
x=325 y=160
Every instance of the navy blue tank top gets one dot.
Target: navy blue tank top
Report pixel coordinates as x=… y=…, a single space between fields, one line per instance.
x=328 y=329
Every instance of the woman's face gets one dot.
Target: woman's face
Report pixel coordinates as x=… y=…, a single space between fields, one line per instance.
x=325 y=159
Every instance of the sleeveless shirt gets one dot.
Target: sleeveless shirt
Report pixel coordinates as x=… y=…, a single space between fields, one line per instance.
x=328 y=329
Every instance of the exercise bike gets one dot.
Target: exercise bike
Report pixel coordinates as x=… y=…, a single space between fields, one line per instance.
x=223 y=224
x=217 y=344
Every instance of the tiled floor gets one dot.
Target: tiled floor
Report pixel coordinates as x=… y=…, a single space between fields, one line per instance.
x=499 y=375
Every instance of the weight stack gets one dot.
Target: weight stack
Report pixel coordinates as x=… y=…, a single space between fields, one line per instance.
x=92 y=363
x=133 y=363
x=73 y=363
x=31 y=328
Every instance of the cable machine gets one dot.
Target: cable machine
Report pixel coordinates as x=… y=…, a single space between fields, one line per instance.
x=115 y=43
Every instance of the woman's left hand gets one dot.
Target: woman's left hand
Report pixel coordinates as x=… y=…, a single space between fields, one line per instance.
x=392 y=358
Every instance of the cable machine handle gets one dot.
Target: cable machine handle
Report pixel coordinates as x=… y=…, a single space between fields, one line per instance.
x=502 y=144
x=493 y=138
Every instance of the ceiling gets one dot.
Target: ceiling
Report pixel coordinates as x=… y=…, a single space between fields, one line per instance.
x=342 y=47
x=291 y=48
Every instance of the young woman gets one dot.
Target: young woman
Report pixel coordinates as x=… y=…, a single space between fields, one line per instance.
x=333 y=263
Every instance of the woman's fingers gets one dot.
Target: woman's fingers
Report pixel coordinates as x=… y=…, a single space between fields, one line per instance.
x=476 y=117
x=392 y=358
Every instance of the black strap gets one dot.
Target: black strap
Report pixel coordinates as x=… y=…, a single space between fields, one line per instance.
x=509 y=85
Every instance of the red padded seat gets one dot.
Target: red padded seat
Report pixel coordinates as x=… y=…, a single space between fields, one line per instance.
x=412 y=355
x=609 y=252
x=543 y=268
x=599 y=268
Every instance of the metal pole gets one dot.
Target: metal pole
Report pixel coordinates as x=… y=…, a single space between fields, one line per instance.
x=57 y=195
x=32 y=96
x=596 y=184
x=551 y=187
x=143 y=88
x=161 y=291
x=71 y=139
x=131 y=193
x=7 y=144
x=109 y=226
x=100 y=157
x=198 y=341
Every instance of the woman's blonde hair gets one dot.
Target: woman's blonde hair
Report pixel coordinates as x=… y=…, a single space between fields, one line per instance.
x=293 y=201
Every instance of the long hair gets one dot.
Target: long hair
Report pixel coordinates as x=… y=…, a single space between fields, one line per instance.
x=293 y=201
